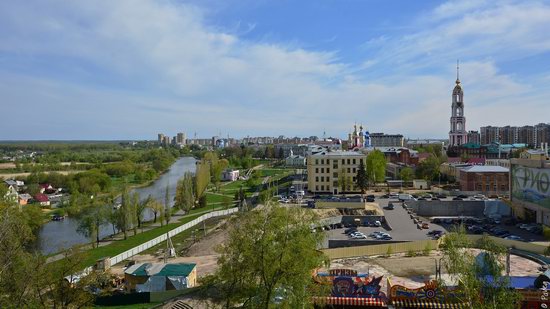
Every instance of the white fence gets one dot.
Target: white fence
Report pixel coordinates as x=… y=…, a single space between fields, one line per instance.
x=155 y=241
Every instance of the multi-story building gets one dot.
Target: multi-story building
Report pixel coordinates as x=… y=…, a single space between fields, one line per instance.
x=386 y=140
x=331 y=171
x=542 y=134
x=530 y=186
x=483 y=178
x=526 y=135
x=180 y=139
x=474 y=137
x=508 y=135
x=160 y=138
x=166 y=141
x=489 y=134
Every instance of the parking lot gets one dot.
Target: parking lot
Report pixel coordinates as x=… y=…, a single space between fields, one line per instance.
x=401 y=226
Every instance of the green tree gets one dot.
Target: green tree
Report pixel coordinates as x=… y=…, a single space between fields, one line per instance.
x=202 y=179
x=91 y=219
x=429 y=168
x=362 y=181
x=376 y=166
x=269 y=252
x=167 y=208
x=156 y=208
x=344 y=181
x=185 y=196
x=463 y=267
x=406 y=174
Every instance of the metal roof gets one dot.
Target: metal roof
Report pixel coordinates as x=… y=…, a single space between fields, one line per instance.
x=160 y=269
x=486 y=169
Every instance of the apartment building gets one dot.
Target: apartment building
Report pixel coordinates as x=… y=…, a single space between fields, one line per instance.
x=328 y=172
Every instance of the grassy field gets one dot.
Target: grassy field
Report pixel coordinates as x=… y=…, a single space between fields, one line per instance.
x=119 y=246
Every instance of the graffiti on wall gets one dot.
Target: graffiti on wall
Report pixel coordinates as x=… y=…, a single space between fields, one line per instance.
x=531 y=185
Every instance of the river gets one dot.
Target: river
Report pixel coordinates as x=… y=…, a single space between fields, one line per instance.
x=56 y=236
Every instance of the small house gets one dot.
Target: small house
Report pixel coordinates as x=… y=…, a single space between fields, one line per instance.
x=230 y=175
x=42 y=199
x=24 y=198
x=421 y=184
x=160 y=277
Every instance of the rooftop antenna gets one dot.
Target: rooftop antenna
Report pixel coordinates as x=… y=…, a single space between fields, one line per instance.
x=457 y=71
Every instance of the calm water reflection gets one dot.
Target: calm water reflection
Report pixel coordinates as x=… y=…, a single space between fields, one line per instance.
x=55 y=236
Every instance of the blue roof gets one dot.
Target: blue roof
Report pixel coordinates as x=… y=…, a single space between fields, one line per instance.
x=518 y=282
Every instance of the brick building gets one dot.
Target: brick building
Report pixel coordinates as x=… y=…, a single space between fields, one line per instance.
x=486 y=179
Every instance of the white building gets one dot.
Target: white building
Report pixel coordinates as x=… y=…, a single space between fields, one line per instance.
x=230 y=175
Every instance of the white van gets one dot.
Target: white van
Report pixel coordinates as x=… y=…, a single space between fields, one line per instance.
x=405 y=197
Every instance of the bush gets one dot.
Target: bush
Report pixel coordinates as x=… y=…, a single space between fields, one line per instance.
x=389 y=251
x=411 y=253
x=427 y=249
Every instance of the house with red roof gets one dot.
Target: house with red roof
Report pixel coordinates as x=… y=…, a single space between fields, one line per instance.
x=42 y=199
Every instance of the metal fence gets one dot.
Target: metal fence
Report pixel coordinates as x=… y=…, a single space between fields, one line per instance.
x=155 y=241
x=415 y=246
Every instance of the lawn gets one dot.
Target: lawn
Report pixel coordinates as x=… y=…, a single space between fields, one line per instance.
x=119 y=246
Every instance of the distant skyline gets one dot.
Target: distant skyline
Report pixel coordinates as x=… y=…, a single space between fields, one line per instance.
x=129 y=69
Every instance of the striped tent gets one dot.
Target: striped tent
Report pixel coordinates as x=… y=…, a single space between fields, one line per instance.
x=425 y=303
x=351 y=301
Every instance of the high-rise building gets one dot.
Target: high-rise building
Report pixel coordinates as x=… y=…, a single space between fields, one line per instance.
x=542 y=134
x=180 y=139
x=509 y=135
x=166 y=141
x=526 y=135
x=489 y=135
x=474 y=137
x=457 y=134
x=160 y=138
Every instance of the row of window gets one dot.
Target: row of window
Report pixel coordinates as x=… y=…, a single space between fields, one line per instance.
x=327 y=161
x=322 y=169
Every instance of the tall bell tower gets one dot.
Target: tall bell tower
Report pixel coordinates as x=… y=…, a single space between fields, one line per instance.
x=458 y=134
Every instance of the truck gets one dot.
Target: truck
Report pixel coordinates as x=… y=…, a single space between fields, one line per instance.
x=405 y=197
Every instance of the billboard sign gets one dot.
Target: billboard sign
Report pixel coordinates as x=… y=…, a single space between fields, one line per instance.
x=531 y=185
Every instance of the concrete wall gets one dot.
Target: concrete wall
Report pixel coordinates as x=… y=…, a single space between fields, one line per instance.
x=447 y=208
x=417 y=246
x=344 y=243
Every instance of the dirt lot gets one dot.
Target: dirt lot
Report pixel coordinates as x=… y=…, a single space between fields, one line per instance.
x=201 y=253
x=413 y=271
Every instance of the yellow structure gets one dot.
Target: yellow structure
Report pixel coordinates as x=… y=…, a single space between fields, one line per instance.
x=334 y=172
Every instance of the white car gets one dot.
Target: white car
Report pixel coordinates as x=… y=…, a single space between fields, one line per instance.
x=377 y=223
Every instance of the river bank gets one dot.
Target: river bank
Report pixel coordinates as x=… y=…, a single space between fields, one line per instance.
x=56 y=236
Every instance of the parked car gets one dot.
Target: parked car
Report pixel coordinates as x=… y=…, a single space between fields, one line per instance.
x=514 y=237
x=425 y=225
x=377 y=223
x=441 y=196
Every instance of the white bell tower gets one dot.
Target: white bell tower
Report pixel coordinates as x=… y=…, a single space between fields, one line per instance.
x=458 y=134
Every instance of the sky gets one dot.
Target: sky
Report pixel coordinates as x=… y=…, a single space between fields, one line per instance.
x=129 y=69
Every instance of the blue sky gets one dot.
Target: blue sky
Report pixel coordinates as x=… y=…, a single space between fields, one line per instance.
x=129 y=69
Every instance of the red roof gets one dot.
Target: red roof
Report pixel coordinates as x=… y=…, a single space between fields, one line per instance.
x=454 y=160
x=40 y=197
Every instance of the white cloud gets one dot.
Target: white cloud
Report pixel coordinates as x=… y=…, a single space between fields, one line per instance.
x=167 y=70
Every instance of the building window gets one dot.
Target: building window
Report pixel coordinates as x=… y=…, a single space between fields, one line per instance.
x=349 y=161
x=354 y=170
x=322 y=179
x=316 y=170
x=316 y=161
x=322 y=161
x=316 y=188
x=322 y=170
x=322 y=188
x=343 y=161
x=349 y=170
x=353 y=161
x=317 y=179
x=335 y=175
